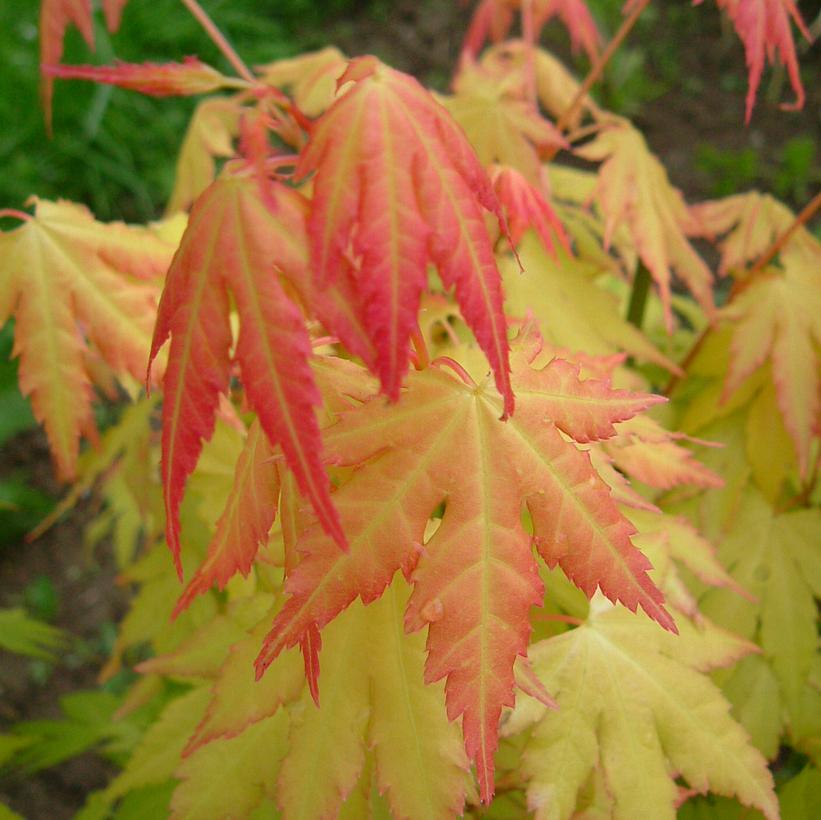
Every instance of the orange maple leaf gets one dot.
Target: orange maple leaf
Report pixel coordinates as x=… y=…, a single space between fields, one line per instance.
x=55 y=17
x=157 y=80
x=764 y=28
x=493 y=20
x=444 y=443
x=397 y=187
x=234 y=242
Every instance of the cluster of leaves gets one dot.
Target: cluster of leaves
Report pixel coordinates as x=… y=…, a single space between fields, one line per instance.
x=405 y=465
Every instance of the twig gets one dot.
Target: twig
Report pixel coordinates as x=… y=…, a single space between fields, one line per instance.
x=805 y=216
x=598 y=67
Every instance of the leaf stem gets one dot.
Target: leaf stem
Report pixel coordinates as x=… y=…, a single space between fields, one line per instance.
x=638 y=296
x=805 y=216
x=13 y=213
x=422 y=358
x=598 y=67
x=446 y=361
x=219 y=40
x=529 y=36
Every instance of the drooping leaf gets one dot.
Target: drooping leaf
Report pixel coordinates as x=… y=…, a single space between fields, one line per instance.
x=525 y=206
x=397 y=186
x=647 y=452
x=764 y=28
x=156 y=80
x=633 y=188
x=70 y=281
x=447 y=444
x=631 y=705
x=244 y=524
x=55 y=17
x=234 y=243
x=515 y=62
x=493 y=19
x=749 y=223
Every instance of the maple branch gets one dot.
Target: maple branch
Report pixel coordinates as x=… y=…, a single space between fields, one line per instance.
x=219 y=40
x=809 y=210
x=598 y=67
x=529 y=36
x=13 y=213
x=805 y=216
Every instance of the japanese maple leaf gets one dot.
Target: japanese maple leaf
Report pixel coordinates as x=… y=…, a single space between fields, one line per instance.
x=774 y=556
x=475 y=579
x=525 y=206
x=556 y=87
x=235 y=244
x=70 y=281
x=748 y=223
x=244 y=524
x=633 y=188
x=635 y=706
x=55 y=17
x=501 y=124
x=778 y=317
x=154 y=79
x=764 y=28
x=397 y=187
x=210 y=134
x=493 y=19
x=647 y=452
x=311 y=78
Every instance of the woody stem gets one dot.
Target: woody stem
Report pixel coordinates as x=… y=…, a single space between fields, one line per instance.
x=805 y=216
x=598 y=67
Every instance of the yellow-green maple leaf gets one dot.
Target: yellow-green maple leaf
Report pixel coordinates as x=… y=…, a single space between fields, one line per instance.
x=632 y=705
x=573 y=312
x=210 y=135
x=230 y=777
x=777 y=317
x=775 y=557
x=633 y=187
x=69 y=281
x=501 y=124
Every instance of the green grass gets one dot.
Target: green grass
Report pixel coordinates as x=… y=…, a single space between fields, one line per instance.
x=115 y=150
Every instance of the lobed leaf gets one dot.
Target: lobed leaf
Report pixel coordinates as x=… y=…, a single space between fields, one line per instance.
x=72 y=281
x=397 y=187
x=234 y=243
x=156 y=80
x=445 y=443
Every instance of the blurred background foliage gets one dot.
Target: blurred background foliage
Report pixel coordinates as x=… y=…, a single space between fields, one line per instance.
x=114 y=150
